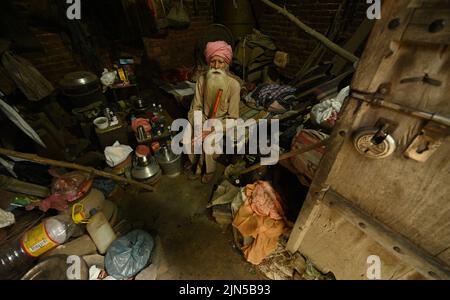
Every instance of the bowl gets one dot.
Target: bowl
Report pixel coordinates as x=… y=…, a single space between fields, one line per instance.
x=101 y=123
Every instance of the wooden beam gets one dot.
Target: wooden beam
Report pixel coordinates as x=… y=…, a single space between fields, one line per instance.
x=288 y=155
x=426 y=264
x=323 y=39
x=45 y=161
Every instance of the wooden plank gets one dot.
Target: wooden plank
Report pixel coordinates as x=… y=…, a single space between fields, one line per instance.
x=335 y=245
x=403 y=70
x=399 y=246
x=308 y=214
x=423 y=21
x=379 y=44
x=408 y=196
x=303 y=223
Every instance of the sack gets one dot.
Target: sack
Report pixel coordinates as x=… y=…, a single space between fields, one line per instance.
x=129 y=254
x=178 y=16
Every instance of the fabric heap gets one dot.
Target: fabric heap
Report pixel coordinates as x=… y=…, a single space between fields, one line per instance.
x=274 y=96
x=260 y=217
x=254 y=54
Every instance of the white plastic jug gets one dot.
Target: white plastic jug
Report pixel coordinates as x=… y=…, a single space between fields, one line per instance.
x=100 y=231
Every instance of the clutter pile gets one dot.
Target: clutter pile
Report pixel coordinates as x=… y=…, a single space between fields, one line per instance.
x=57 y=211
x=90 y=231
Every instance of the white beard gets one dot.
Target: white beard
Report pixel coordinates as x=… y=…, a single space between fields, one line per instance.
x=215 y=79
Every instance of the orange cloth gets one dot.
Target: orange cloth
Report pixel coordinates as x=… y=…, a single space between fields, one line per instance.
x=264 y=229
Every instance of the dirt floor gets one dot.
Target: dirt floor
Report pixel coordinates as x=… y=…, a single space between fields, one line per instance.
x=195 y=246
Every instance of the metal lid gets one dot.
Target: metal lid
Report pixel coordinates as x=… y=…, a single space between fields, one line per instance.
x=76 y=79
x=165 y=155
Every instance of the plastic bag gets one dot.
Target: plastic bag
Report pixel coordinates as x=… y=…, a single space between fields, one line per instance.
x=6 y=218
x=178 y=17
x=66 y=188
x=325 y=113
x=117 y=154
x=129 y=254
x=108 y=77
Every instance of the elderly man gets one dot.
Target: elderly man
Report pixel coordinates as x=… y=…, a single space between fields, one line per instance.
x=211 y=103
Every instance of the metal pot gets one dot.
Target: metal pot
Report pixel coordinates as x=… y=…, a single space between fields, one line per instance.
x=170 y=162
x=145 y=168
x=82 y=88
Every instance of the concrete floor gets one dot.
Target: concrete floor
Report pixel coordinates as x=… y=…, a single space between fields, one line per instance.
x=194 y=245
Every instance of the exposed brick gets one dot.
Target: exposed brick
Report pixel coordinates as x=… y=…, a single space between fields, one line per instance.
x=317 y=14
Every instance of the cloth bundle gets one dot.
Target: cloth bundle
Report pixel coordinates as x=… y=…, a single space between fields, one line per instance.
x=273 y=97
x=260 y=217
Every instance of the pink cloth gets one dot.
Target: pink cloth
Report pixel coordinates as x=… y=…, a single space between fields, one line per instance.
x=264 y=200
x=219 y=48
x=141 y=122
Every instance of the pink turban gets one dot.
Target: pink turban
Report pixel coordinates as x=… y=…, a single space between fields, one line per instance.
x=219 y=48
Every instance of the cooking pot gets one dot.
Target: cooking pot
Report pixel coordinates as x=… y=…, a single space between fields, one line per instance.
x=145 y=168
x=82 y=88
x=170 y=162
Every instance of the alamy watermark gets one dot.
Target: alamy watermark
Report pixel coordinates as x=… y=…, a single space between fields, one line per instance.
x=374 y=10
x=234 y=134
x=74 y=270
x=73 y=11
x=374 y=267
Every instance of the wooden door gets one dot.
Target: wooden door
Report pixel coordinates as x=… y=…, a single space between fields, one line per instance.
x=396 y=207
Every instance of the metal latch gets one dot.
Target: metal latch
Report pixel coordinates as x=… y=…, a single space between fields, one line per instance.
x=427 y=142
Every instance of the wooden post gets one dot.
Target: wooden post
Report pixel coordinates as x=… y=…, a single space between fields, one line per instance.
x=323 y=39
x=45 y=161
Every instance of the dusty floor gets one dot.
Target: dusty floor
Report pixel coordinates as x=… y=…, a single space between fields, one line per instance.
x=195 y=246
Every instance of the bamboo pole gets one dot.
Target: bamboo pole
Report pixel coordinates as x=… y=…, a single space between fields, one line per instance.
x=289 y=155
x=45 y=161
x=323 y=39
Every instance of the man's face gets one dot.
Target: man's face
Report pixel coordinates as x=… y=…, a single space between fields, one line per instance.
x=217 y=62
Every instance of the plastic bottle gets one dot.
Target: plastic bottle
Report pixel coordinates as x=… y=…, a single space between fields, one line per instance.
x=47 y=235
x=100 y=231
x=14 y=261
x=18 y=256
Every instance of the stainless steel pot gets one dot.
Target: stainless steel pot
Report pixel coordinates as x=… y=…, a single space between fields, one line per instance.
x=82 y=88
x=145 y=168
x=170 y=162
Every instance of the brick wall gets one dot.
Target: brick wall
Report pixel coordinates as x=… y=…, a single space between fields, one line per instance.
x=177 y=48
x=317 y=14
x=54 y=59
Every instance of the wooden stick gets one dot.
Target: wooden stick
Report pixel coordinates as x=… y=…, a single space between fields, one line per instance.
x=45 y=161
x=289 y=155
x=323 y=39
x=216 y=105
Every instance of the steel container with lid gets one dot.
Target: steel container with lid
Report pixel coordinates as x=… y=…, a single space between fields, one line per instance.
x=145 y=167
x=81 y=88
x=169 y=162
